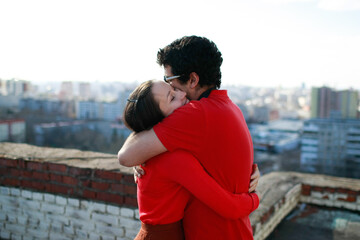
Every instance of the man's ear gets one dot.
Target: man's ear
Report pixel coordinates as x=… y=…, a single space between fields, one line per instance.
x=194 y=80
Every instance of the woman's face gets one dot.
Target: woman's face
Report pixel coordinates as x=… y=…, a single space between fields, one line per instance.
x=168 y=98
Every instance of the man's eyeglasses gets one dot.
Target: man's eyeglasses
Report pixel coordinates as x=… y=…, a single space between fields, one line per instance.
x=167 y=79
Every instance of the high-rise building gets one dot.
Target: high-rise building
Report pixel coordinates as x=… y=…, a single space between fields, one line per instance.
x=66 y=91
x=12 y=130
x=328 y=103
x=329 y=145
x=84 y=90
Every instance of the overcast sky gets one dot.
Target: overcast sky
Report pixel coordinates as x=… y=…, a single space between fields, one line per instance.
x=264 y=42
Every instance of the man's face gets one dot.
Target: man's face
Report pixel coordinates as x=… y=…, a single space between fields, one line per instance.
x=175 y=83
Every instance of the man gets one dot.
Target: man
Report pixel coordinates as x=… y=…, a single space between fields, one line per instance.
x=212 y=129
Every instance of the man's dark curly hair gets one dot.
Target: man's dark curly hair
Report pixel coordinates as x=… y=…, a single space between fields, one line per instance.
x=193 y=54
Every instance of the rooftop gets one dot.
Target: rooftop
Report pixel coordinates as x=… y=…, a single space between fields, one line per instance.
x=291 y=201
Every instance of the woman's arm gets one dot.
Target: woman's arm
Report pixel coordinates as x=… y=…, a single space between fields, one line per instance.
x=140 y=147
x=191 y=175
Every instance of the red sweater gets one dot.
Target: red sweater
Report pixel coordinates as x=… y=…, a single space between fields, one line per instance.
x=171 y=178
x=214 y=131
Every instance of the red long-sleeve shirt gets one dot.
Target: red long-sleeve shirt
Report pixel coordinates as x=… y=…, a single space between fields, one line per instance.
x=214 y=131
x=171 y=178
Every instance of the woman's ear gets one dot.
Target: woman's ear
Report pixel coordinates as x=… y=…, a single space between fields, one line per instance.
x=194 y=79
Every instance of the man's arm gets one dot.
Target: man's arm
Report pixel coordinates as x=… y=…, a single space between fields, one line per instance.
x=140 y=147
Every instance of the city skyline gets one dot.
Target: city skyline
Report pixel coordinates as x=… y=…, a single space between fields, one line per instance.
x=264 y=43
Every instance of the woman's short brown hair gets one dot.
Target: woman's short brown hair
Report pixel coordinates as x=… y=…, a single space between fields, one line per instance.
x=142 y=112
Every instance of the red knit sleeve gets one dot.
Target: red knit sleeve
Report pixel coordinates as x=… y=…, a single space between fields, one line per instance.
x=184 y=169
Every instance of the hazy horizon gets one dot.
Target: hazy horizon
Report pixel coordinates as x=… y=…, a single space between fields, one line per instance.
x=267 y=43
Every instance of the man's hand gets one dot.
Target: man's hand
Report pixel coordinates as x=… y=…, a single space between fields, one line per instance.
x=138 y=172
x=254 y=180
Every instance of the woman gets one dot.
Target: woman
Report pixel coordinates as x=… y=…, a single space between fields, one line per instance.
x=172 y=178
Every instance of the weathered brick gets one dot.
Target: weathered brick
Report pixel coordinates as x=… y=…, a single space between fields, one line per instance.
x=11 y=181
x=26 y=194
x=104 y=174
x=137 y=214
x=54 y=167
x=49 y=197
x=21 y=163
x=41 y=176
x=127 y=179
x=76 y=213
x=98 y=207
x=16 y=236
x=81 y=234
x=109 y=230
x=131 y=233
x=26 y=173
x=37 y=185
x=4 y=190
x=51 y=208
x=60 y=200
x=15 y=172
x=8 y=162
x=57 y=235
x=129 y=223
x=89 y=194
x=38 y=166
x=105 y=218
x=351 y=198
x=131 y=201
x=329 y=189
x=130 y=189
x=86 y=225
x=103 y=186
x=341 y=190
x=317 y=189
x=22 y=220
x=117 y=187
x=70 y=180
x=60 y=189
x=110 y=198
x=38 y=234
x=94 y=236
x=15 y=192
x=56 y=219
x=69 y=230
x=74 y=202
x=15 y=228
x=30 y=204
x=3 y=216
x=55 y=177
x=79 y=172
x=127 y=212
x=112 y=210
x=33 y=216
x=38 y=196
x=108 y=237
x=12 y=218
x=305 y=190
x=5 y=234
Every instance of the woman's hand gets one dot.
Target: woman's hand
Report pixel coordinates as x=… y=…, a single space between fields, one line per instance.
x=138 y=172
x=254 y=179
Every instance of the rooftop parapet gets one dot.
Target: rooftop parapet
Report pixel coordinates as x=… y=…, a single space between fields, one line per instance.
x=62 y=190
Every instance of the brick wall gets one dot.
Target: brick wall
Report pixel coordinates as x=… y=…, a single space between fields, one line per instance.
x=93 y=184
x=58 y=196
x=29 y=214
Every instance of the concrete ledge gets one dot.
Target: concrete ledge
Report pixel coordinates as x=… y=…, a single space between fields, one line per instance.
x=282 y=191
